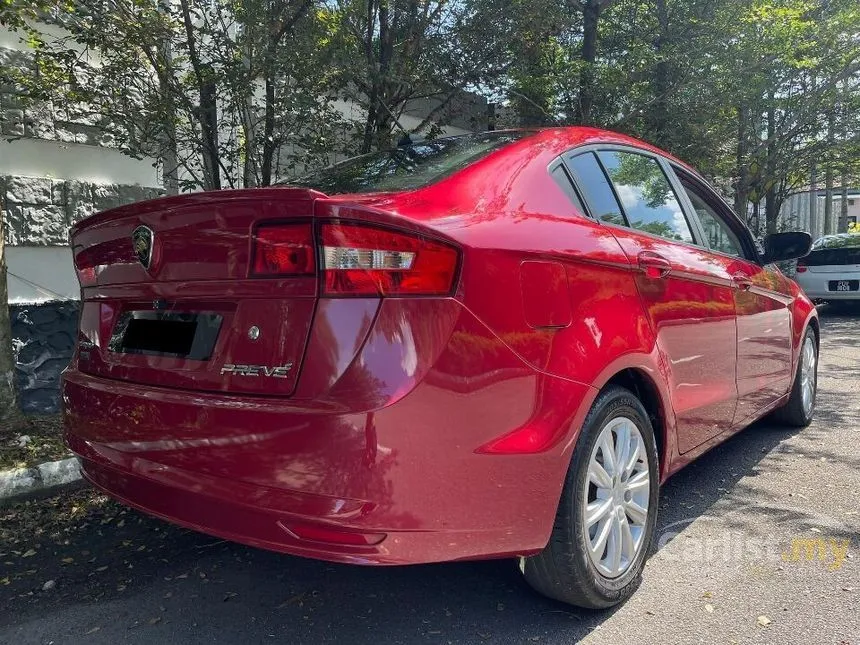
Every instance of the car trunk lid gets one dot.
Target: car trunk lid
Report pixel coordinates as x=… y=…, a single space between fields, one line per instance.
x=170 y=297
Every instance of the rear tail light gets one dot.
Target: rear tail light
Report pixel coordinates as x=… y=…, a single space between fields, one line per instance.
x=284 y=249
x=357 y=259
x=85 y=269
x=366 y=260
x=801 y=268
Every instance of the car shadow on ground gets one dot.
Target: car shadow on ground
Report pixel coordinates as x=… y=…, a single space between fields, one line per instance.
x=153 y=578
x=121 y=576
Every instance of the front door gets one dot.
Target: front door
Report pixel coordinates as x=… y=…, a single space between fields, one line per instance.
x=761 y=304
x=764 y=338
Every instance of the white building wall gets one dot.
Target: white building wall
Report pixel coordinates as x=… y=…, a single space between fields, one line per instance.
x=42 y=270
x=853 y=206
x=58 y=160
x=39 y=274
x=795 y=213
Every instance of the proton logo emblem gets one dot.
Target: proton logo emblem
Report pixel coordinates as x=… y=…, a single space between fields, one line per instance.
x=142 y=239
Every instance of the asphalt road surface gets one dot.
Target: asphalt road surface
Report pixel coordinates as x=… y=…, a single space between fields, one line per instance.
x=759 y=543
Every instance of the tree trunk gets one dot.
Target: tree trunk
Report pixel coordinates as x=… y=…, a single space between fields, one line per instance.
x=269 y=143
x=828 y=201
x=209 y=130
x=278 y=27
x=741 y=186
x=828 y=175
x=842 y=226
x=813 y=200
x=771 y=204
x=249 y=164
x=382 y=98
x=384 y=123
x=369 y=124
x=249 y=125
x=661 y=80
x=207 y=111
x=170 y=160
x=8 y=402
x=842 y=222
x=373 y=96
x=588 y=55
x=754 y=219
x=771 y=211
x=169 y=156
x=813 y=184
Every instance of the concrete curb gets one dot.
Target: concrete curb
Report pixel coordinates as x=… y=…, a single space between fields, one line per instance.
x=43 y=480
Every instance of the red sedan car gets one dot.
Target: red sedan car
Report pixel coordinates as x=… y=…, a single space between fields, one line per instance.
x=485 y=346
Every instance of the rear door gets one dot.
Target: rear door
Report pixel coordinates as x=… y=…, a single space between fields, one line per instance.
x=762 y=303
x=171 y=296
x=686 y=290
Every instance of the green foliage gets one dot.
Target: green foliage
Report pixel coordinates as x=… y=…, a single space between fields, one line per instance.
x=742 y=90
x=641 y=171
x=228 y=90
x=388 y=55
x=754 y=93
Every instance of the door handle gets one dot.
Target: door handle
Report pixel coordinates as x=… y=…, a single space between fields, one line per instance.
x=742 y=281
x=654 y=265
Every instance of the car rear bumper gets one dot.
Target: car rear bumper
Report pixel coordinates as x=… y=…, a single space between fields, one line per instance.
x=260 y=470
x=833 y=295
x=816 y=284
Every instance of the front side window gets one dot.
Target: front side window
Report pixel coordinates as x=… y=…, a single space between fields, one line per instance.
x=646 y=195
x=718 y=236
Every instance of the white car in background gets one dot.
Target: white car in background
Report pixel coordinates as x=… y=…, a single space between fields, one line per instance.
x=831 y=271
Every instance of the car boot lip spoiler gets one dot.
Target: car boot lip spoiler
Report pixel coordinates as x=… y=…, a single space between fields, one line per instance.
x=172 y=202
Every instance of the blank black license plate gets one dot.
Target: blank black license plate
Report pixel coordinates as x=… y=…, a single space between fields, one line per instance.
x=179 y=335
x=844 y=285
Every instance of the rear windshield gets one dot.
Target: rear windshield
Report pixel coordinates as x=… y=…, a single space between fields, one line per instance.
x=407 y=167
x=841 y=241
x=839 y=249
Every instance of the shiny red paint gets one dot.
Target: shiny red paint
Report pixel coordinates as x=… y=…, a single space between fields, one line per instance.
x=411 y=429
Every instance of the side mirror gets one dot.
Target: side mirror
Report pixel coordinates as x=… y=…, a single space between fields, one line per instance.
x=779 y=247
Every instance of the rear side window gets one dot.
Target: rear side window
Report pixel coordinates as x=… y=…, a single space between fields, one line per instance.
x=595 y=188
x=559 y=174
x=646 y=195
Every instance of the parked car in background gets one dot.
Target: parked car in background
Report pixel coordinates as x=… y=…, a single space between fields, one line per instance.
x=831 y=271
x=487 y=346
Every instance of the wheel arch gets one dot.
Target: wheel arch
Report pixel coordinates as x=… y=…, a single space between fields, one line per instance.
x=816 y=328
x=643 y=386
x=642 y=374
x=806 y=318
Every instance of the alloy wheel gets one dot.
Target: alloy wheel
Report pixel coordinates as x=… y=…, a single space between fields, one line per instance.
x=809 y=361
x=617 y=494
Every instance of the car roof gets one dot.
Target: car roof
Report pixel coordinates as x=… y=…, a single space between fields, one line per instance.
x=563 y=138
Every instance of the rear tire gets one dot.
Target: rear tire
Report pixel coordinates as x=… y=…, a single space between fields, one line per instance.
x=800 y=407
x=574 y=568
